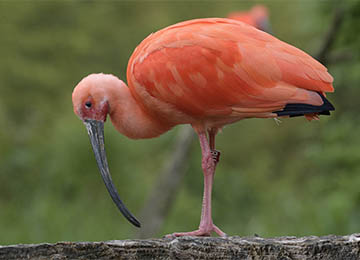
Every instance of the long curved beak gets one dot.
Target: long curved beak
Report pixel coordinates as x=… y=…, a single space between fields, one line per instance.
x=95 y=131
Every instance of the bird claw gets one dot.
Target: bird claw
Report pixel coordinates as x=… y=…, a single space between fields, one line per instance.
x=215 y=154
x=201 y=232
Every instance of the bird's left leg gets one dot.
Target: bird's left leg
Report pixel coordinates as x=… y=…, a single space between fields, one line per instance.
x=208 y=164
x=215 y=153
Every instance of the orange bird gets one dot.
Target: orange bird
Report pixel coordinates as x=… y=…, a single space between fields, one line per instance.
x=258 y=16
x=207 y=73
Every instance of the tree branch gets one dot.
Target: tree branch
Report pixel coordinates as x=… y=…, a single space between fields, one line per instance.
x=164 y=192
x=330 y=37
x=327 y=247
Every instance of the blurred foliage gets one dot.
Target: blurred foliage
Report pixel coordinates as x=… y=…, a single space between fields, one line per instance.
x=296 y=178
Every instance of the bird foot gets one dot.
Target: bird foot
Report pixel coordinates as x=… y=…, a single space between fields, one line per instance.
x=215 y=154
x=201 y=232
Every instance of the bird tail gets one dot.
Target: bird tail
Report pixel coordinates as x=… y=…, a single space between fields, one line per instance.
x=310 y=111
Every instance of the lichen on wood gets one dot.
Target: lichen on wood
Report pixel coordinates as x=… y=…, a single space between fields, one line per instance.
x=312 y=247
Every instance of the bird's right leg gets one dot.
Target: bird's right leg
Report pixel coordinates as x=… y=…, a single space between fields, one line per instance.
x=208 y=164
x=214 y=153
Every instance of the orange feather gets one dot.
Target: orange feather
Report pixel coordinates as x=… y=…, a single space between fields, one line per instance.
x=211 y=67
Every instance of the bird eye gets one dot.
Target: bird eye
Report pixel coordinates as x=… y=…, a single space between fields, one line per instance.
x=88 y=104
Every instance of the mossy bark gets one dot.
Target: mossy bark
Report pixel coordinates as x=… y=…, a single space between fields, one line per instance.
x=327 y=247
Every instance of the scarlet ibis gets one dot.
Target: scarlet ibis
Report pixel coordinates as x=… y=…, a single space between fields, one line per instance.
x=207 y=73
x=257 y=16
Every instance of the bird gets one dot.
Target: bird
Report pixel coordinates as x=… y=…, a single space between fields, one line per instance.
x=208 y=73
x=257 y=16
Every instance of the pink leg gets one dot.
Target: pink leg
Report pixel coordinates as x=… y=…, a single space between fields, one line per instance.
x=206 y=224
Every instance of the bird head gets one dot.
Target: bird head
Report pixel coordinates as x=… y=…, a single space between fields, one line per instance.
x=261 y=15
x=92 y=107
x=89 y=98
x=257 y=16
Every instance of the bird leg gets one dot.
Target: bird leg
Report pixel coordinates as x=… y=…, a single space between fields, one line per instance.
x=208 y=165
x=214 y=153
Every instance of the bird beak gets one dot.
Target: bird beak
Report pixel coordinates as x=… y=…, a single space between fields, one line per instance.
x=265 y=26
x=95 y=131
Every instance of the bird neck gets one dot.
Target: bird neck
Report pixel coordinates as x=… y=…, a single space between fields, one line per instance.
x=129 y=117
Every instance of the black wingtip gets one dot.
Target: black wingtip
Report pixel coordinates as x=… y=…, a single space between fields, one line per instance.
x=299 y=109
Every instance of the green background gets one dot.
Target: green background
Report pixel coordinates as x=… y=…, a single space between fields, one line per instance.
x=296 y=178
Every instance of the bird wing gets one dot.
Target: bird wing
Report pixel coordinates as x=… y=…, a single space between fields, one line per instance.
x=210 y=67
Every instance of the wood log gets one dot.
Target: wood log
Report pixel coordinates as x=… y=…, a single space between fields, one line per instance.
x=284 y=248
